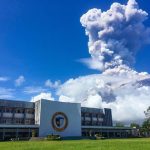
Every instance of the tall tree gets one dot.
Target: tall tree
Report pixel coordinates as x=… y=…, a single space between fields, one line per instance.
x=119 y=124
x=146 y=127
x=133 y=124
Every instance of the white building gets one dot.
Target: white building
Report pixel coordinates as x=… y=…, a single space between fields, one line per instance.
x=44 y=117
x=58 y=118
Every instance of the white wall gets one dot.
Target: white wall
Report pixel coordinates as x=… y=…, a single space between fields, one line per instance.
x=71 y=110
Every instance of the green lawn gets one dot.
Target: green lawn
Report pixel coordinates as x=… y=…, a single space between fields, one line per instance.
x=115 y=144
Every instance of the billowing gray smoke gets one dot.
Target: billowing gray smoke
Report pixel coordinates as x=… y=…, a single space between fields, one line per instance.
x=116 y=35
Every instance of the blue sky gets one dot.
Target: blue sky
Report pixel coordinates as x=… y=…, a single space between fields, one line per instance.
x=43 y=40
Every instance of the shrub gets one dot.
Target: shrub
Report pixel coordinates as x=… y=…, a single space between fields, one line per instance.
x=53 y=137
x=99 y=137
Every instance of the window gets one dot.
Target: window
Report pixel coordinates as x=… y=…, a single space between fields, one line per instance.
x=18 y=110
x=18 y=121
x=29 y=111
x=6 y=121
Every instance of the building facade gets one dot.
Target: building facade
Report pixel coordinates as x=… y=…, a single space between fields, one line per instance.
x=17 y=119
x=60 y=118
x=96 y=117
x=44 y=117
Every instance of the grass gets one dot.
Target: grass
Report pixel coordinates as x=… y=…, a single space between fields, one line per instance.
x=115 y=144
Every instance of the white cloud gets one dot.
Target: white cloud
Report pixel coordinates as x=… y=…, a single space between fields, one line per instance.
x=19 y=81
x=92 y=63
x=50 y=84
x=63 y=98
x=4 y=78
x=126 y=92
x=47 y=96
x=6 y=93
x=115 y=35
x=130 y=103
x=34 y=89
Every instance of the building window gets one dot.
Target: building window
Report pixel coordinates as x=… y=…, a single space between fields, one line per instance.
x=18 y=121
x=6 y=121
x=19 y=111
x=29 y=111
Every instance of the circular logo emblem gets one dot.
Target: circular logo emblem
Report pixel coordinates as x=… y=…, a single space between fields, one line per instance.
x=59 y=121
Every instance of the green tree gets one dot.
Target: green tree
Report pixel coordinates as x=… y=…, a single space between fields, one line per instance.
x=134 y=125
x=119 y=124
x=146 y=127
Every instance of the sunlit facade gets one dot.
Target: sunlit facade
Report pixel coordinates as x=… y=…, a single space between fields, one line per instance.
x=44 y=117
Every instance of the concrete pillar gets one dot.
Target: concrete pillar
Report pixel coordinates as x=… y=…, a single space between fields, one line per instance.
x=114 y=134
x=126 y=134
x=2 y=113
x=3 y=133
x=24 y=115
x=91 y=121
x=91 y=118
x=83 y=115
x=13 y=116
x=17 y=133
x=87 y=133
x=120 y=134
x=108 y=134
x=29 y=132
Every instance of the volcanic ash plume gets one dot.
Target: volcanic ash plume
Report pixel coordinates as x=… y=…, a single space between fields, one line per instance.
x=115 y=36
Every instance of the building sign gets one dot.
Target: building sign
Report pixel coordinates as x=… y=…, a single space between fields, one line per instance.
x=59 y=121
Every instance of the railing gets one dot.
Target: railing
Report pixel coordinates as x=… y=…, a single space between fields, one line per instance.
x=87 y=118
x=8 y=115
x=29 y=115
x=18 y=115
x=94 y=118
x=100 y=119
